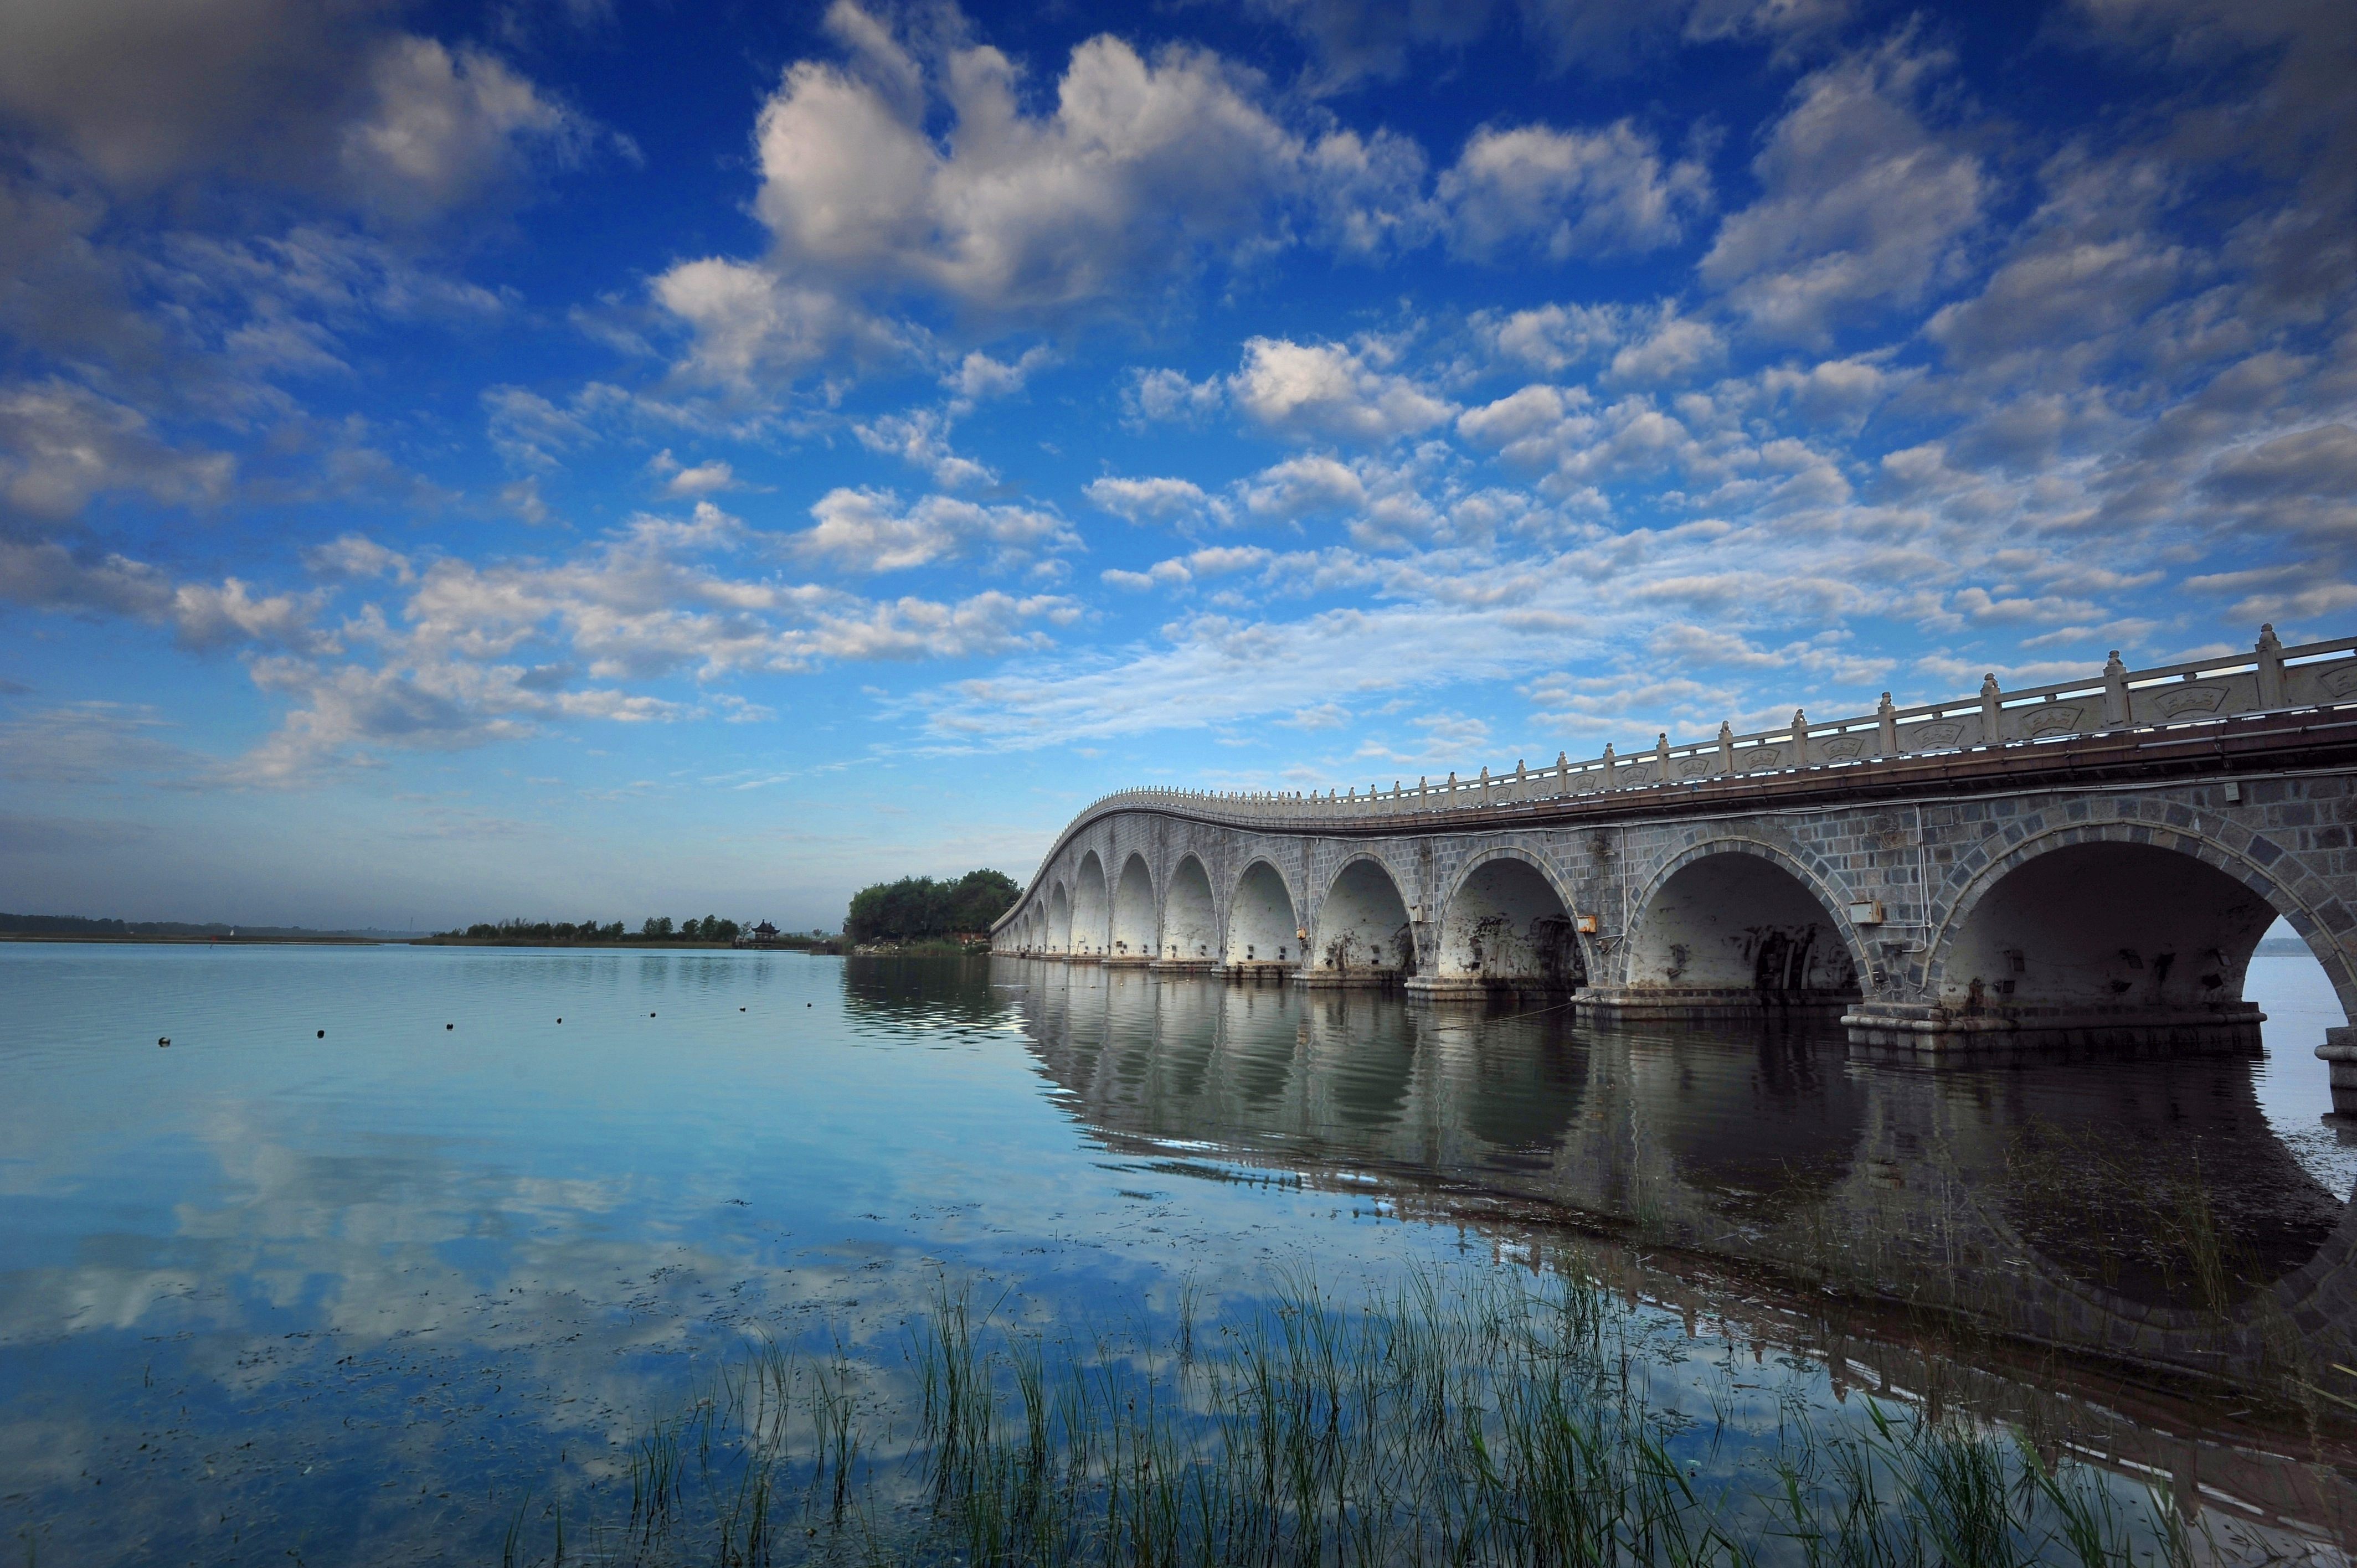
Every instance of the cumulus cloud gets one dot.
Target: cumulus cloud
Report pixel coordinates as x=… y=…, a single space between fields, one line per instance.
x=327 y=98
x=871 y=531
x=1169 y=395
x=979 y=378
x=1862 y=206
x=1299 y=486
x=1162 y=501
x=1141 y=169
x=920 y=438
x=1331 y=390
x=444 y=128
x=62 y=444
x=1568 y=194
x=691 y=483
x=1635 y=344
x=752 y=328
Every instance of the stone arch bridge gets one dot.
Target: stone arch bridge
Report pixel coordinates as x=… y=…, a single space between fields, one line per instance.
x=2091 y=862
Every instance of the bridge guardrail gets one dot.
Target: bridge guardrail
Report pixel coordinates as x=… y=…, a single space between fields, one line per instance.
x=2268 y=678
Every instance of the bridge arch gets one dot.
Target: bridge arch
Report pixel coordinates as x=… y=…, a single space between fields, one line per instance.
x=1741 y=915
x=1057 y=934
x=1508 y=920
x=1362 y=922
x=1263 y=918
x=1090 y=916
x=1190 y=920
x=1136 y=921
x=2113 y=920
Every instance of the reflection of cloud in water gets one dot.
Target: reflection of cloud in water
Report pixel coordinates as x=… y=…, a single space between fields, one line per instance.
x=489 y=1247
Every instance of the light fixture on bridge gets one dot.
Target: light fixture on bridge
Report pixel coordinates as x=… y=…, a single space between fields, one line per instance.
x=1866 y=912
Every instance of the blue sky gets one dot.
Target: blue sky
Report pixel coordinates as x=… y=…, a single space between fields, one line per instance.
x=602 y=459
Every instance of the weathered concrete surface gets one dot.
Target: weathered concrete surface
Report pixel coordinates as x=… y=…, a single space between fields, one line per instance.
x=2094 y=893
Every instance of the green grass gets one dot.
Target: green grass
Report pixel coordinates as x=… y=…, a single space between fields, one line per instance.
x=1474 y=1417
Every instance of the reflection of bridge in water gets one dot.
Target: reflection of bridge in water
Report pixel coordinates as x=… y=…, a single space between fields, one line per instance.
x=2089 y=863
x=2189 y=1238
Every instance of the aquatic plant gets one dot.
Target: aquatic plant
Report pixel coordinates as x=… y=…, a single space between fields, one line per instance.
x=1471 y=1416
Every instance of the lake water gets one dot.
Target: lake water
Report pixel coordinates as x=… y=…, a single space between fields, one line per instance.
x=410 y=1288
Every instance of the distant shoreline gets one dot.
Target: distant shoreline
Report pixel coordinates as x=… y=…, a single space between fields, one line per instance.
x=225 y=941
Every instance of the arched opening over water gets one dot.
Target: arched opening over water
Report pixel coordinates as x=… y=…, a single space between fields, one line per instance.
x=1134 y=922
x=1506 y=925
x=1057 y=935
x=2109 y=930
x=1362 y=924
x=1089 y=912
x=1190 y=922
x=1735 y=921
x=1262 y=924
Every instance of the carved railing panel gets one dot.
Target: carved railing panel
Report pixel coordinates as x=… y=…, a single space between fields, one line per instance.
x=2269 y=679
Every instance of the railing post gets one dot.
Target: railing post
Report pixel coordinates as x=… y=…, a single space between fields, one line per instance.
x=1562 y=774
x=1450 y=800
x=2271 y=692
x=1886 y=724
x=1485 y=785
x=1800 y=738
x=1992 y=711
x=1725 y=748
x=2115 y=692
x=1521 y=783
x=1608 y=765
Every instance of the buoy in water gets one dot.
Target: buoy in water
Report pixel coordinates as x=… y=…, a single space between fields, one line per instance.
x=449 y=1025
x=163 y=1039
x=649 y=1015
x=323 y=1033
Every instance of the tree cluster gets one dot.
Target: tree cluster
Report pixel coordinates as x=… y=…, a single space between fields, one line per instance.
x=917 y=909
x=655 y=928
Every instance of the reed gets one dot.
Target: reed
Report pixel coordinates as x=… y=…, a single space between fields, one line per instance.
x=1468 y=1416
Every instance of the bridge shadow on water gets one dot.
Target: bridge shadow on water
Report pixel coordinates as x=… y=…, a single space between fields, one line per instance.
x=2122 y=1234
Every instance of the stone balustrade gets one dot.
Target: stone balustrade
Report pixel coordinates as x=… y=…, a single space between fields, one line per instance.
x=2269 y=679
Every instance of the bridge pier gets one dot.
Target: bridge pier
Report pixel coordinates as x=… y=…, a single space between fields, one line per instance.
x=2339 y=1052
x=2225 y=1026
x=1457 y=988
x=1617 y=1003
x=1365 y=977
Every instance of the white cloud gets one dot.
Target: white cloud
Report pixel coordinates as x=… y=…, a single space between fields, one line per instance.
x=529 y=430
x=1167 y=395
x=1861 y=210
x=920 y=438
x=443 y=128
x=60 y=445
x=1167 y=502
x=691 y=483
x=1330 y=391
x=1139 y=168
x=870 y=530
x=752 y=327
x=979 y=378
x=1568 y=194
x=1300 y=486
